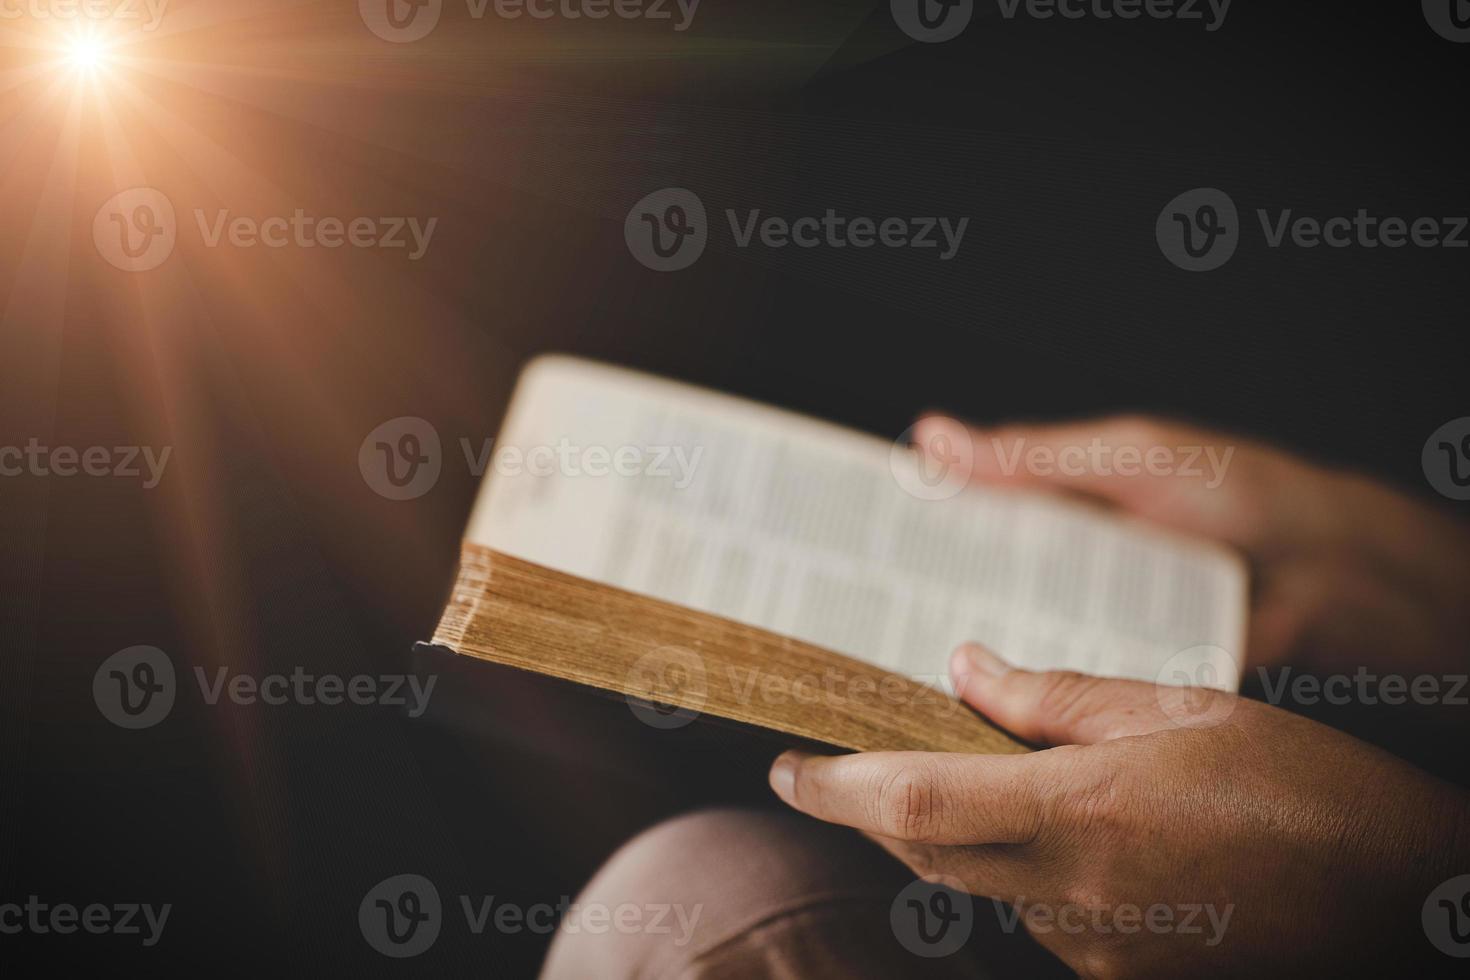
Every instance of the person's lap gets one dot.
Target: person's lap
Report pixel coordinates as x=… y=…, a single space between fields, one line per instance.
x=741 y=893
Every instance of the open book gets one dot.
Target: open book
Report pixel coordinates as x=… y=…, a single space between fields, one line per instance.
x=701 y=554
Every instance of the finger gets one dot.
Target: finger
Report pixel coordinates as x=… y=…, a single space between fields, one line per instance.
x=1009 y=454
x=1175 y=476
x=1061 y=707
x=934 y=798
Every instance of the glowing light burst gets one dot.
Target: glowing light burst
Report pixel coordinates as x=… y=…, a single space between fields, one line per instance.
x=77 y=53
x=87 y=53
x=194 y=109
x=258 y=108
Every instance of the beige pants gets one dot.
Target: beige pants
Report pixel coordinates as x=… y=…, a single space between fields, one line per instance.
x=744 y=894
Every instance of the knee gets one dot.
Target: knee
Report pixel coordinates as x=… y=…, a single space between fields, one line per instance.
x=689 y=883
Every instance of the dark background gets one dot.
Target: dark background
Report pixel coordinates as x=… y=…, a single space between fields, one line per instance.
x=264 y=549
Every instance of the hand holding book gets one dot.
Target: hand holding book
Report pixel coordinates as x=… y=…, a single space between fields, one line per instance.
x=1200 y=803
x=1344 y=571
x=1294 y=837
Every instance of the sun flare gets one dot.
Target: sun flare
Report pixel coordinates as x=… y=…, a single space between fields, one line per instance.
x=86 y=53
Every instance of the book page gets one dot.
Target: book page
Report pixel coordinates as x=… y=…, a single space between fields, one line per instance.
x=814 y=531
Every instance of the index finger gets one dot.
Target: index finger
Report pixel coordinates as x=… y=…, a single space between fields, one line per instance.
x=1173 y=475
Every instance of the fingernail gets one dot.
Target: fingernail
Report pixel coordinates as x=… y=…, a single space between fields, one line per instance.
x=983 y=661
x=783 y=776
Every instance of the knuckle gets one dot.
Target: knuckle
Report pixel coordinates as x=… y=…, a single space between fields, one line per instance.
x=1030 y=817
x=1095 y=801
x=907 y=804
